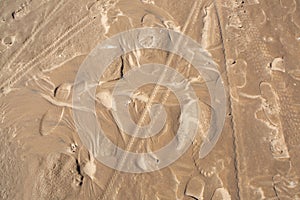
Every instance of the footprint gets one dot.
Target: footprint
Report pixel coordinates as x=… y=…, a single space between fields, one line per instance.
x=95 y=8
x=237 y=73
x=234 y=21
x=90 y=168
x=270 y=104
x=8 y=41
x=270 y=115
x=237 y=76
x=278 y=64
x=295 y=74
x=50 y=120
x=148 y=2
x=63 y=91
x=59 y=179
x=169 y=24
x=208 y=167
x=287 y=186
x=195 y=188
x=210 y=26
x=150 y=20
x=276 y=10
x=151 y=38
x=296 y=18
x=101 y=9
x=221 y=194
x=290 y=5
x=22 y=11
x=106 y=99
x=258 y=15
x=251 y=2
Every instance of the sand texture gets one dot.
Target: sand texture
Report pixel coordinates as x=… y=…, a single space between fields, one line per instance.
x=255 y=47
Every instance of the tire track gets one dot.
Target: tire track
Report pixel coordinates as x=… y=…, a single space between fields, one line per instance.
x=112 y=185
x=259 y=56
x=39 y=27
x=44 y=54
x=257 y=51
x=232 y=122
x=253 y=33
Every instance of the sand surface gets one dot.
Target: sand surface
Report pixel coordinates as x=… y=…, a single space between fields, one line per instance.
x=255 y=45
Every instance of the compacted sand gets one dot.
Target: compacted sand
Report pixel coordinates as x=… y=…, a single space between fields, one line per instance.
x=256 y=47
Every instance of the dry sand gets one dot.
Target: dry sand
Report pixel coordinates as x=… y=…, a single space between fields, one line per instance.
x=256 y=44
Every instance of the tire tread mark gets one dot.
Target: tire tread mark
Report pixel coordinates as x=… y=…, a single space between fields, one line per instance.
x=61 y=40
x=259 y=55
x=230 y=100
x=111 y=185
x=37 y=29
